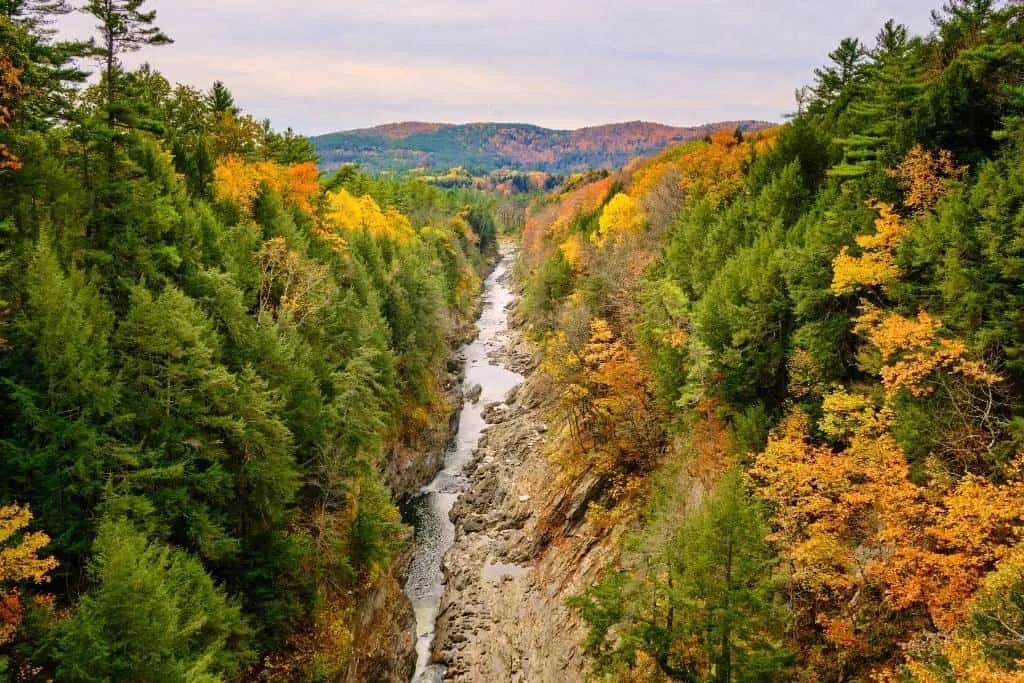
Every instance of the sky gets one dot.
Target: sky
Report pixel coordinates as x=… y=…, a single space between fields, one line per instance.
x=325 y=65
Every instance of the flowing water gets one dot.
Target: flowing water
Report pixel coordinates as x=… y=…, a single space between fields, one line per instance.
x=428 y=513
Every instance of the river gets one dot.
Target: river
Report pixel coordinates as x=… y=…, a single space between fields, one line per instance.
x=428 y=512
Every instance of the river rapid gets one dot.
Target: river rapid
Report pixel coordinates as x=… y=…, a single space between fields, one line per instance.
x=429 y=510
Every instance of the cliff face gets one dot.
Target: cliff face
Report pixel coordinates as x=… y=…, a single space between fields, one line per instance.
x=384 y=624
x=517 y=557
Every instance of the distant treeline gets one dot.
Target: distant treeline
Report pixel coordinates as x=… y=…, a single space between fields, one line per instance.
x=485 y=147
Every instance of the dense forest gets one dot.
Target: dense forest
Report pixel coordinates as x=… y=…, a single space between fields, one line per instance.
x=206 y=351
x=788 y=361
x=792 y=360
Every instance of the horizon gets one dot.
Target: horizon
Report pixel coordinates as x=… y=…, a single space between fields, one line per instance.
x=356 y=64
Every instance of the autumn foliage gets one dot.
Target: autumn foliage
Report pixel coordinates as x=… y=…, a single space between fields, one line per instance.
x=362 y=213
x=876 y=266
x=833 y=309
x=849 y=519
x=925 y=177
x=20 y=564
x=550 y=223
x=10 y=91
x=608 y=426
x=239 y=182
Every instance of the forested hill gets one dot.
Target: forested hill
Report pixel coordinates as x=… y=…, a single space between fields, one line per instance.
x=485 y=147
x=797 y=359
x=206 y=353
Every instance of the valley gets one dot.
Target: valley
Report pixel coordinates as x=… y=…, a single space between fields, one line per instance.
x=473 y=402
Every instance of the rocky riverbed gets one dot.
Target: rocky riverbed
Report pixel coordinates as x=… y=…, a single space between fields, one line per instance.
x=516 y=557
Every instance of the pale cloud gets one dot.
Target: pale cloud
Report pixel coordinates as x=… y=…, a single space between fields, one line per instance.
x=320 y=66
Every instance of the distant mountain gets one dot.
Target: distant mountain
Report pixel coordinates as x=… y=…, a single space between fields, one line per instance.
x=485 y=147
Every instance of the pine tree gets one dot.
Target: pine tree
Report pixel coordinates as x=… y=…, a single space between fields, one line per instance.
x=152 y=615
x=220 y=100
x=715 y=613
x=123 y=27
x=47 y=68
x=834 y=81
x=892 y=82
x=723 y=589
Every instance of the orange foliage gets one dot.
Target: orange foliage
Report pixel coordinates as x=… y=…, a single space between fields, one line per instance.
x=301 y=185
x=945 y=542
x=925 y=177
x=851 y=522
x=716 y=169
x=965 y=651
x=239 y=182
x=19 y=563
x=549 y=225
x=913 y=353
x=10 y=91
x=605 y=401
x=646 y=174
x=710 y=441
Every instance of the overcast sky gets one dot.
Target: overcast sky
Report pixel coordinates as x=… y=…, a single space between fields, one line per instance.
x=325 y=65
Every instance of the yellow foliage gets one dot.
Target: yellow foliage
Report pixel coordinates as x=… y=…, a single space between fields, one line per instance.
x=19 y=563
x=363 y=213
x=877 y=265
x=622 y=216
x=572 y=250
x=239 y=182
x=847 y=414
x=964 y=650
x=18 y=557
x=290 y=282
x=913 y=352
x=851 y=522
x=605 y=405
x=925 y=176
x=716 y=169
x=547 y=225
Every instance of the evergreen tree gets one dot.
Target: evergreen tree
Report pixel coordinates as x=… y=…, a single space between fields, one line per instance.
x=834 y=83
x=153 y=615
x=718 y=594
x=722 y=588
x=892 y=82
x=220 y=100
x=124 y=27
x=46 y=65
